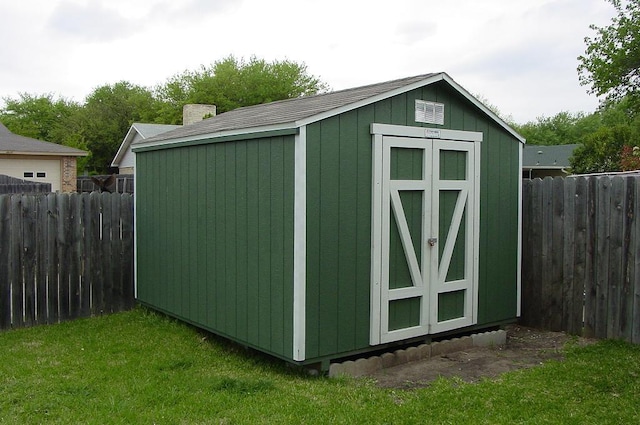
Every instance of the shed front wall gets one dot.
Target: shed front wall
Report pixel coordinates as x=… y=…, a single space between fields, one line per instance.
x=215 y=238
x=339 y=185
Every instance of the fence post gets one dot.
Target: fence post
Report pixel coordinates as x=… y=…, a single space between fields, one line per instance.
x=634 y=270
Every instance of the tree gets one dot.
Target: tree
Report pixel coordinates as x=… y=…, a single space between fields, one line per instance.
x=108 y=114
x=39 y=117
x=563 y=128
x=630 y=158
x=232 y=83
x=600 y=151
x=611 y=63
x=101 y=122
x=45 y=118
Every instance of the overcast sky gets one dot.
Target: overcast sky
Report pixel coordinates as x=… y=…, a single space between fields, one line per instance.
x=519 y=55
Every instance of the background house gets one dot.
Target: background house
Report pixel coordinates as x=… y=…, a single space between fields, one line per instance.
x=540 y=161
x=30 y=159
x=125 y=159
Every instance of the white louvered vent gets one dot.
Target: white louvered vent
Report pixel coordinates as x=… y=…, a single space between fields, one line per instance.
x=429 y=112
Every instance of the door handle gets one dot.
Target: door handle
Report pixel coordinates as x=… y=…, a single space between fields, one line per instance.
x=432 y=241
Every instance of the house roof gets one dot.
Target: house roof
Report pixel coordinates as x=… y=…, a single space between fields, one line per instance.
x=145 y=131
x=14 y=144
x=292 y=113
x=549 y=157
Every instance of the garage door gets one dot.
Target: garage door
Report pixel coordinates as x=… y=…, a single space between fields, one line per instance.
x=37 y=170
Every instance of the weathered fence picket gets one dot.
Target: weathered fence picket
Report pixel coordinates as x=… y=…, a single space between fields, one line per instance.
x=64 y=256
x=581 y=256
x=123 y=183
x=10 y=184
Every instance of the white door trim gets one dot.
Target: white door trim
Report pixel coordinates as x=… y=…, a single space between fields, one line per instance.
x=425 y=133
x=467 y=199
x=385 y=192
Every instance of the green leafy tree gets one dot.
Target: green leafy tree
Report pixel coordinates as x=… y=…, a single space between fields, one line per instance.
x=101 y=122
x=611 y=62
x=232 y=83
x=493 y=108
x=600 y=151
x=45 y=118
x=39 y=117
x=108 y=114
x=560 y=129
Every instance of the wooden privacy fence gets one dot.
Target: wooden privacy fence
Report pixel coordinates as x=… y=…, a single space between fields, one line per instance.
x=581 y=256
x=123 y=183
x=64 y=256
x=13 y=185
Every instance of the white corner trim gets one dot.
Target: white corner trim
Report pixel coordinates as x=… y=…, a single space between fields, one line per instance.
x=519 y=252
x=135 y=230
x=300 y=245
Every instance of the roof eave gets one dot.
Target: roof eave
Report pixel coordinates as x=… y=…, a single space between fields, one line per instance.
x=431 y=79
x=124 y=145
x=256 y=131
x=545 y=167
x=31 y=153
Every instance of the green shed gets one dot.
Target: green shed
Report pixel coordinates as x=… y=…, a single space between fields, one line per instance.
x=332 y=225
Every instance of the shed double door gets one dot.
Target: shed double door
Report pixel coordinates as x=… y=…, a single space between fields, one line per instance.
x=424 y=258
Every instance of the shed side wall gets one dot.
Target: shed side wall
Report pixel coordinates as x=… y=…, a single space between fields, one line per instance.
x=339 y=157
x=215 y=238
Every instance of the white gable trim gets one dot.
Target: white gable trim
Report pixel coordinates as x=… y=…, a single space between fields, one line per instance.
x=427 y=81
x=484 y=109
x=364 y=102
x=124 y=146
x=333 y=112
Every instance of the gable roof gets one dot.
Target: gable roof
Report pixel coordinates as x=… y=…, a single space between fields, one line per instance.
x=293 y=113
x=14 y=144
x=145 y=131
x=550 y=157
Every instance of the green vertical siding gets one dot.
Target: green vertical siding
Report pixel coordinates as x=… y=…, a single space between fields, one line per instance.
x=215 y=238
x=498 y=228
x=215 y=229
x=339 y=188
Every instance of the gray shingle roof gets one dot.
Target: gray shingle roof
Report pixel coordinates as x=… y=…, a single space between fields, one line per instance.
x=543 y=156
x=13 y=143
x=285 y=111
x=150 y=130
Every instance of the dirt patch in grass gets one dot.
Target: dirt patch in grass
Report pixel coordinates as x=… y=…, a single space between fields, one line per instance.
x=525 y=348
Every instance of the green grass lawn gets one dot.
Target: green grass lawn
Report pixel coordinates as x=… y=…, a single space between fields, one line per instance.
x=142 y=368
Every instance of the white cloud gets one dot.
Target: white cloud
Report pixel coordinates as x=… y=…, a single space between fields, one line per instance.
x=521 y=56
x=91 y=22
